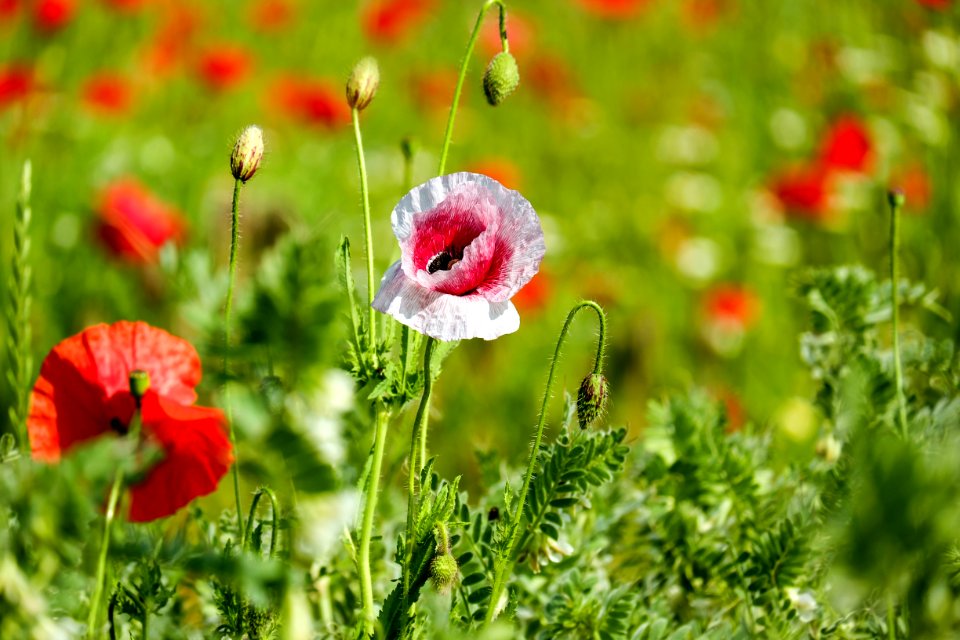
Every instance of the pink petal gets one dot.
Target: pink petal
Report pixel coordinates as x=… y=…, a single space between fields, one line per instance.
x=443 y=316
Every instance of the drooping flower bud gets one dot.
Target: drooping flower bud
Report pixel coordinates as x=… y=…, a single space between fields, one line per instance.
x=247 y=153
x=591 y=399
x=444 y=572
x=139 y=384
x=363 y=83
x=501 y=78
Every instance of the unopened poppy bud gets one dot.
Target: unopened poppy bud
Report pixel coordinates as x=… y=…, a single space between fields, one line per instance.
x=363 y=83
x=139 y=383
x=444 y=572
x=896 y=198
x=591 y=399
x=501 y=78
x=247 y=153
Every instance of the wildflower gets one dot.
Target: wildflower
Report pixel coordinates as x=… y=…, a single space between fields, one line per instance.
x=732 y=306
x=804 y=192
x=847 y=146
x=468 y=244
x=363 y=83
x=247 y=153
x=83 y=393
x=8 y=9
x=224 y=67
x=387 y=21
x=503 y=171
x=804 y=603
x=314 y=102
x=535 y=297
x=134 y=223
x=271 y=15
x=16 y=83
x=614 y=9
x=51 y=15
x=107 y=94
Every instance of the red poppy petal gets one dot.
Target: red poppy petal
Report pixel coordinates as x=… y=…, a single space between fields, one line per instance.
x=197 y=455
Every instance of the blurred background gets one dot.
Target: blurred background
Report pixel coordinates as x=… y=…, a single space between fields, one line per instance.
x=687 y=157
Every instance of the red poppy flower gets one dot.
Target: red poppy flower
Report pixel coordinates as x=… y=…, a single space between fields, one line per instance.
x=615 y=9
x=503 y=171
x=8 y=9
x=387 y=21
x=731 y=306
x=107 y=94
x=271 y=15
x=804 y=192
x=83 y=393
x=939 y=5
x=224 y=67
x=16 y=83
x=126 y=6
x=316 y=102
x=134 y=223
x=50 y=15
x=170 y=45
x=847 y=146
x=535 y=296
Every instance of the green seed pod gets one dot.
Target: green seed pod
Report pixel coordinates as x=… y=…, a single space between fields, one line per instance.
x=363 y=83
x=591 y=399
x=501 y=78
x=139 y=383
x=444 y=572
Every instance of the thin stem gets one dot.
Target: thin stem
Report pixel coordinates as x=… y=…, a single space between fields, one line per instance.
x=381 y=419
x=505 y=562
x=891 y=618
x=234 y=247
x=274 y=523
x=18 y=314
x=115 y=491
x=448 y=134
x=417 y=458
x=896 y=202
x=365 y=196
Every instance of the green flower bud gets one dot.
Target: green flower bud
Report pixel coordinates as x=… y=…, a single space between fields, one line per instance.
x=444 y=572
x=362 y=84
x=591 y=399
x=501 y=78
x=247 y=153
x=139 y=383
x=896 y=198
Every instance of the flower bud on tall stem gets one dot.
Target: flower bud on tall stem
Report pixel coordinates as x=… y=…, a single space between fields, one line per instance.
x=247 y=153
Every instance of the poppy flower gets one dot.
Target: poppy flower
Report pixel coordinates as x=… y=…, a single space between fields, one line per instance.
x=614 y=9
x=467 y=245
x=387 y=21
x=8 y=9
x=804 y=192
x=224 y=66
x=16 y=83
x=134 y=223
x=107 y=94
x=51 y=15
x=847 y=146
x=503 y=171
x=271 y=15
x=536 y=295
x=731 y=306
x=170 y=45
x=939 y=5
x=316 y=102
x=83 y=393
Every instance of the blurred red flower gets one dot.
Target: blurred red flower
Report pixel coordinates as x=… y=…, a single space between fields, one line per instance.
x=271 y=15
x=316 y=102
x=8 y=9
x=107 y=94
x=535 y=295
x=732 y=306
x=940 y=5
x=847 y=146
x=916 y=186
x=16 y=83
x=172 y=41
x=503 y=171
x=83 y=393
x=134 y=223
x=224 y=66
x=804 y=191
x=433 y=90
x=550 y=78
x=50 y=15
x=387 y=21
x=614 y=8
x=703 y=14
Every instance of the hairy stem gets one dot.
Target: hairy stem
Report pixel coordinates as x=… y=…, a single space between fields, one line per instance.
x=234 y=247
x=448 y=134
x=381 y=419
x=368 y=235
x=506 y=561
x=896 y=202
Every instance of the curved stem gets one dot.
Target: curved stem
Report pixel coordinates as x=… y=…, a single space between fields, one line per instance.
x=368 y=235
x=417 y=458
x=505 y=562
x=381 y=420
x=234 y=248
x=896 y=201
x=274 y=524
x=448 y=134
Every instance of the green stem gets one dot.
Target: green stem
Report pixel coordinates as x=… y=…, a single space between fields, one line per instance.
x=381 y=419
x=448 y=134
x=18 y=314
x=891 y=618
x=102 y=559
x=274 y=521
x=234 y=246
x=417 y=459
x=505 y=562
x=896 y=202
x=368 y=234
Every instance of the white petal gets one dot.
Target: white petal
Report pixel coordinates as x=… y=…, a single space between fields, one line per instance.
x=443 y=316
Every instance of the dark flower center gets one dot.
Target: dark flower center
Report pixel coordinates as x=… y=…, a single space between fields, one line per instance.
x=445 y=260
x=117 y=425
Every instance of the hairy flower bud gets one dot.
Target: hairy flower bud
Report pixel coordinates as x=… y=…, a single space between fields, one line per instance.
x=591 y=399
x=444 y=572
x=363 y=83
x=501 y=78
x=139 y=383
x=247 y=153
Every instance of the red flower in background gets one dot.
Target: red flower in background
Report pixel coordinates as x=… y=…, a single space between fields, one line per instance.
x=503 y=171
x=83 y=393
x=224 y=67
x=271 y=15
x=16 y=83
x=804 y=192
x=433 y=90
x=939 y=5
x=316 y=102
x=170 y=45
x=916 y=186
x=387 y=21
x=107 y=94
x=703 y=14
x=847 y=146
x=616 y=9
x=8 y=9
x=134 y=223
x=50 y=15
x=519 y=31
x=535 y=296
x=731 y=306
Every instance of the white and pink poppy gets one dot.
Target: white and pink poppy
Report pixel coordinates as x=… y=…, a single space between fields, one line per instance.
x=468 y=244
